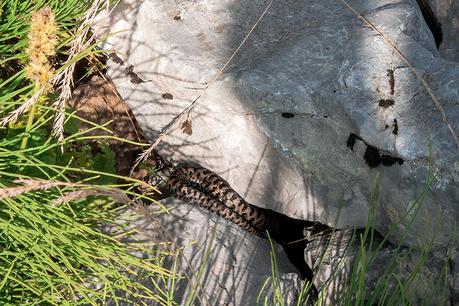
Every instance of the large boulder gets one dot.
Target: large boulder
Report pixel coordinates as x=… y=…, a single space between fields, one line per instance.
x=312 y=109
x=213 y=260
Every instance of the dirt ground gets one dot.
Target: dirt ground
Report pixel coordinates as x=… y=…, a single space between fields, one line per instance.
x=97 y=100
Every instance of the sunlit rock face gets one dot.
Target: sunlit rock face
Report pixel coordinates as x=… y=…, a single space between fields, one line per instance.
x=316 y=116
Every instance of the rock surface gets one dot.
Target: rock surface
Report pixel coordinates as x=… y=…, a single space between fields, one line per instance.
x=238 y=263
x=446 y=15
x=316 y=116
x=276 y=125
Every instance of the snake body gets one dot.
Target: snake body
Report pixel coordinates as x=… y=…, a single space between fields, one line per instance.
x=203 y=187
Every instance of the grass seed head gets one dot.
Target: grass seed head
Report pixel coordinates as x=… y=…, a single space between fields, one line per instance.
x=42 y=44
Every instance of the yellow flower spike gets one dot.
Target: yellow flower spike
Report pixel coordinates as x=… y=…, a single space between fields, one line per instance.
x=42 y=44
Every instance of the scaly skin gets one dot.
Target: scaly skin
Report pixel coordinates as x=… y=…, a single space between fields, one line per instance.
x=204 y=188
x=190 y=192
x=202 y=181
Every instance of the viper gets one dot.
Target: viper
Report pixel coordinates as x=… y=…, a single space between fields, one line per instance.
x=204 y=188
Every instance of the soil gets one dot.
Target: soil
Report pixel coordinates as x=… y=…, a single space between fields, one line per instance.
x=97 y=100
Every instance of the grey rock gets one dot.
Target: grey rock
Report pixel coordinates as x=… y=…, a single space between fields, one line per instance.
x=238 y=263
x=446 y=16
x=315 y=60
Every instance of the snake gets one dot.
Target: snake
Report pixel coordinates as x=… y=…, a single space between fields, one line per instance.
x=206 y=189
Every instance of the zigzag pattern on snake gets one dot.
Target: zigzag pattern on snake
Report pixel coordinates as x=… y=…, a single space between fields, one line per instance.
x=204 y=188
x=208 y=190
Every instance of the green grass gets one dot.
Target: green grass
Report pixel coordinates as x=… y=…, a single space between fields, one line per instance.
x=271 y=291
x=53 y=254
x=396 y=286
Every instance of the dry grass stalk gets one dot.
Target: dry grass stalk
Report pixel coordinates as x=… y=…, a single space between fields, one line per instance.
x=14 y=115
x=186 y=112
x=115 y=194
x=29 y=185
x=65 y=78
x=163 y=133
x=413 y=70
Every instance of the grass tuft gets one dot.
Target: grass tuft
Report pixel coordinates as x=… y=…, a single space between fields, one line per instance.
x=56 y=206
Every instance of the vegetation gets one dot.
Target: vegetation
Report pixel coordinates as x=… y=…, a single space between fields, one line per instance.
x=58 y=196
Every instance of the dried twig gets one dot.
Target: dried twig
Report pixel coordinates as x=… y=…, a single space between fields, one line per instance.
x=114 y=193
x=65 y=78
x=29 y=185
x=186 y=112
x=413 y=70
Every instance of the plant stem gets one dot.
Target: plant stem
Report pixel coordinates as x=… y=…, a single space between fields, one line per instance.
x=28 y=127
